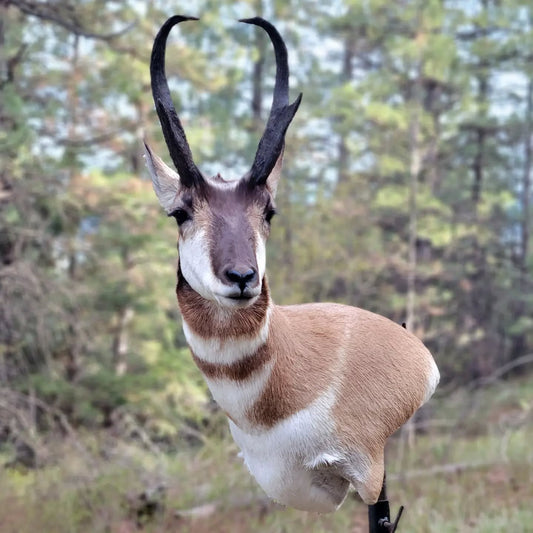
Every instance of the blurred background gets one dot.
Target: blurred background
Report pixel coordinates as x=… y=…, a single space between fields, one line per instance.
x=406 y=191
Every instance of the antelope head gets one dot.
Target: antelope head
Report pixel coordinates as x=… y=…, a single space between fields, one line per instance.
x=223 y=224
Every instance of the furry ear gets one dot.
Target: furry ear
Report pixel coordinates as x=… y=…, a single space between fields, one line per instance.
x=166 y=182
x=273 y=179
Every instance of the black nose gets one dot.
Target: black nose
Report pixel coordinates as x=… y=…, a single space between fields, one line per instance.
x=241 y=278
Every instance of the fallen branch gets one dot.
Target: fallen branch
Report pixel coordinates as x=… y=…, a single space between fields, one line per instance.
x=205 y=510
x=501 y=371
x=20 y=407
x=453 y=468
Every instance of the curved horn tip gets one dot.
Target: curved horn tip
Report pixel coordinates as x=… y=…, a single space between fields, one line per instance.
x=171 y=22
x=183 y=17
x=258 y=21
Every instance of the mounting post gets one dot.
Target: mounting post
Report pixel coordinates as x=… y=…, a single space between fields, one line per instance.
x=379 y=518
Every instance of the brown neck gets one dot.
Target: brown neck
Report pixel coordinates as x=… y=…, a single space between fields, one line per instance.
x=208 y=319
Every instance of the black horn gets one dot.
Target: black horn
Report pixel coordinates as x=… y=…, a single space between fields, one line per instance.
x=281 y=113
x=175 y=137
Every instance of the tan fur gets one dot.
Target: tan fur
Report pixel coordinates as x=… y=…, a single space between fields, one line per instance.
x=377 y=367
x=304 y=367
x=380 y=368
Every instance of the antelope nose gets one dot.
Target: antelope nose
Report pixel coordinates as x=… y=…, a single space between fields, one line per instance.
x=241 y=278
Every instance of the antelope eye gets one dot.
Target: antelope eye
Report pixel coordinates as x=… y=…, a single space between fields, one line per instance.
x=269 y=214
x=180 y=215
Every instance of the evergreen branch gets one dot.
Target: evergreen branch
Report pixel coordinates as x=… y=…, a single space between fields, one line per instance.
x=67 y=19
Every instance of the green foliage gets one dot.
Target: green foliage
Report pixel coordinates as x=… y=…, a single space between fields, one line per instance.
x=88 y=318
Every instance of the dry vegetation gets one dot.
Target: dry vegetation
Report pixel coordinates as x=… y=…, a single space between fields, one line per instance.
x=469 y=470
x=104 y=425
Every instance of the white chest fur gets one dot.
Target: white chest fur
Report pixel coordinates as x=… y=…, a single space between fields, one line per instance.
x=225 y=351
x=235 y=397
x=299 y=462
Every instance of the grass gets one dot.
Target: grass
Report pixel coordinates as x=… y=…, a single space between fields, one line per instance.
x=470 y=471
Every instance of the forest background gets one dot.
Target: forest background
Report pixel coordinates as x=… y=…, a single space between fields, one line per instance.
x=406 y=191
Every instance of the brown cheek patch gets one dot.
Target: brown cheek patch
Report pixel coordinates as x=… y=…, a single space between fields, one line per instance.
x=256 y=214
x=201 y=217
x=238 y=371
x=202 y=214
x=203 y=316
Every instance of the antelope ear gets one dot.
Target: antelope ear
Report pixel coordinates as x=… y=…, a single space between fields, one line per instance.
x=273 y=179
x=166 y=182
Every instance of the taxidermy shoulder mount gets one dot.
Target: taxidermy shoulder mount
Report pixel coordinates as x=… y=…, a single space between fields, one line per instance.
x=312 y=392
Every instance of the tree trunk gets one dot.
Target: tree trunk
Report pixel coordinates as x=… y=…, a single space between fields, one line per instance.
x=415 y=106
x=478 y=165
x=526 y=187
x=137 y=153
x=415 y=158
x=346 y=76
x=519 y=343
x=120 y=341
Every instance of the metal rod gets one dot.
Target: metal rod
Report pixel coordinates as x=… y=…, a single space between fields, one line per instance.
x=379 y=517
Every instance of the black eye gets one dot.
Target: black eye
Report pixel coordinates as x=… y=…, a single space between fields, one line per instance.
x=269 y=214
x=180 y=215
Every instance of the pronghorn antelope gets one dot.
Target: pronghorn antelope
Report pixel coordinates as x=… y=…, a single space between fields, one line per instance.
x=312 y=392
